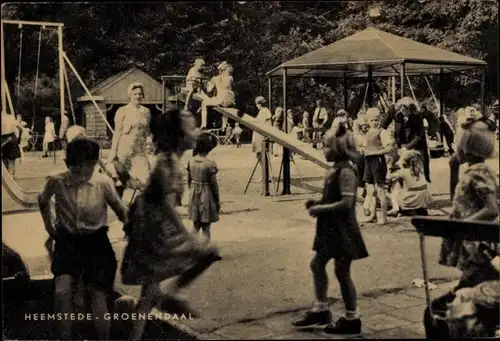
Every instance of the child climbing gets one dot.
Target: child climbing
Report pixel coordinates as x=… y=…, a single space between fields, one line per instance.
x=337 y=236
x=193 y=80
x=204 y=200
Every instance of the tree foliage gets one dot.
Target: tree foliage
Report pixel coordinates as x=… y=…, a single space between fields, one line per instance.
x=165 y=38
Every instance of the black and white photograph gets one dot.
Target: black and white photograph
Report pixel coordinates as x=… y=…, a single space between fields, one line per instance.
x=250 y=170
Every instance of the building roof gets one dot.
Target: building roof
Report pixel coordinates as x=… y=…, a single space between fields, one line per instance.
x=113 y=90
x=379 y=51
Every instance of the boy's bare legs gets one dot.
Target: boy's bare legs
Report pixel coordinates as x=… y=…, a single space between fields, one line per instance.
x=99 y=306
x=383 y=203
x=63 y=303
x=370 y=203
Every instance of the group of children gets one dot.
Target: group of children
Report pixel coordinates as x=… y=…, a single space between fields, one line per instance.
x=159 y=245
x=337 y=231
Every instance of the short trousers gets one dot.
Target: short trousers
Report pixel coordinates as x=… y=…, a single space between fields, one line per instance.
x=10 y=150
x=90 y=258
x=375 y=169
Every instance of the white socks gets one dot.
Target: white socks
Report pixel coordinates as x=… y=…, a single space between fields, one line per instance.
x=320 y=306
x=351 y=315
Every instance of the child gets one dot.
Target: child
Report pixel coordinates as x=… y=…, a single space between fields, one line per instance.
x=49 y=136
x=82 y=248
x=375 y=167
x=159 y=246
x=340 y=118
x=359 y=129
x=337 y=236
x=237 y=134
x=476 y=194
x=193 y=80
x=413 y=198
x=204 y=201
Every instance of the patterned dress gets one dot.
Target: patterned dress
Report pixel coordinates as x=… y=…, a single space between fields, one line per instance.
x=133 y=142
x=476 y=183
x=159 y=246
x=203 y=207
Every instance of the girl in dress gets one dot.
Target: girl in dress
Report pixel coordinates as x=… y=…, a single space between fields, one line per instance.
x=237 y=134
x=49 y=136
x=413 y=197
x=204 y=200
x=223 y=83
x=131 y=142
x=476 y=193
x=159 y=245
x=338 y=236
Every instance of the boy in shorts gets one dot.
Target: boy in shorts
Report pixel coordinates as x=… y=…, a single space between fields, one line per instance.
x=82 y=249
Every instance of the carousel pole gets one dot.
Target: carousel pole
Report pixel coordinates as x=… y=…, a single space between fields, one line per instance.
x=483 y=81
x=402 y=80
x=286 y=151
x=3 y=81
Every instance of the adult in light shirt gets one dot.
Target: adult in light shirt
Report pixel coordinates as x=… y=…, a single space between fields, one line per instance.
x=320 y=117
x=265 y=116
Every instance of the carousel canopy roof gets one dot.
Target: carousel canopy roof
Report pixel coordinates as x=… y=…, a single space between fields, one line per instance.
x=379 y=51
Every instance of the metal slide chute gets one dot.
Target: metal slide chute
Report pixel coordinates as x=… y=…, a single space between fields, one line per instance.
x=301 y=148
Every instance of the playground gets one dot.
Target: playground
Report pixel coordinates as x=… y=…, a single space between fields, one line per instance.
x=265 y=234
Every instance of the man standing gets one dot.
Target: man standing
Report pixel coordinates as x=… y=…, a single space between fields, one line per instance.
x=320 y=118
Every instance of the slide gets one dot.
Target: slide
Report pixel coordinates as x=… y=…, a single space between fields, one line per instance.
x=14 y=198
x=301 y=148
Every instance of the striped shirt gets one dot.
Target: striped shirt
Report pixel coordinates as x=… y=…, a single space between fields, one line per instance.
x=82 y=208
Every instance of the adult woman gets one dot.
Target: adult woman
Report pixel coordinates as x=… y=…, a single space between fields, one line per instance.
x=223 y=84
x=10 y=145
x=132 y=136
x=277 y=120
x=24 y=134
x=49 y=136
x=264 y=115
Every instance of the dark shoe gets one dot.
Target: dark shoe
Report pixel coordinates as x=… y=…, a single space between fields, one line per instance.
x=311 y=318
x=177 y=306
x=344 y=326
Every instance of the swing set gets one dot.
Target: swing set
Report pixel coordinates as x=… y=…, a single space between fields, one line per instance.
x=63 y=62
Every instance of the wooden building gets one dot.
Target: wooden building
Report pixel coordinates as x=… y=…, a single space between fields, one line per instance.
x=111 y=94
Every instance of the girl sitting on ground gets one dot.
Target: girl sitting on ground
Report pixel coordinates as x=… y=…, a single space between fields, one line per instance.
x=414 y=196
